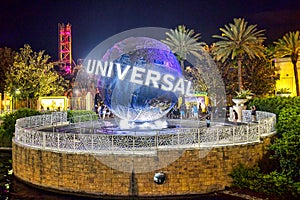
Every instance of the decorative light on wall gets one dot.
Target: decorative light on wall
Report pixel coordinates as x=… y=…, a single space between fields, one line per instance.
x=159 y=178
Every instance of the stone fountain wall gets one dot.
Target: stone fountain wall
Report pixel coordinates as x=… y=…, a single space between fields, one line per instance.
x=85 y=174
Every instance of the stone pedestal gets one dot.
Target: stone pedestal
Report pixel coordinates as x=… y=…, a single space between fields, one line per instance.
x=239 y=109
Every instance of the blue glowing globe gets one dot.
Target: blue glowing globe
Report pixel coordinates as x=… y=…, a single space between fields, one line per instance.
x=139 y=79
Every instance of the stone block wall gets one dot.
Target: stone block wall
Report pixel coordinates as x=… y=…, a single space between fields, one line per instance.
x=86 y=174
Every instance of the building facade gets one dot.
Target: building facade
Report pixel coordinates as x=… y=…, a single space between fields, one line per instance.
x=287 y=78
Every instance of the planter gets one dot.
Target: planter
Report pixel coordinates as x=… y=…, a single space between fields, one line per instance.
x=239 y=102
x=249 y=97
x=283 y=95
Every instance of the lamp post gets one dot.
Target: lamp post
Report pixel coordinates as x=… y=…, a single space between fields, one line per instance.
x=77 y=100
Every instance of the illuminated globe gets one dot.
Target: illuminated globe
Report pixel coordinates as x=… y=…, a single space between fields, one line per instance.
x=138 y=86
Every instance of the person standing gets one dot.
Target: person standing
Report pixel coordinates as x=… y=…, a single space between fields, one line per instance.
x=235 y=117
x=195 y=111
x=253 y=113
x=209 y=111
x=199 y=110
x=104 y=111
x=208 y=120
x=176 y=113
x=97 y=100
x=182 y=110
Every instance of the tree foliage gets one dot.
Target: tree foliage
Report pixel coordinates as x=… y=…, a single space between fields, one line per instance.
x=289 y=45
x=6 y=61
x=260 y=77
x=33 y=75
x=182 y=42
x=9 y=119
x=287 y=147
x=236 y=41
x=284 y=182
x=200 y=69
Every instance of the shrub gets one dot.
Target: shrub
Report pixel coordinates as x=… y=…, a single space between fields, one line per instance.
x=272 y=104
x=284 y=91
x=275 y=183
x=7 y=128
x=282 y=180
x=288 y=120
x=5 y=139
x=287 y=147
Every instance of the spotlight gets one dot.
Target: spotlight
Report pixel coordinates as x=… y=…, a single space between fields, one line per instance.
x=159 y=178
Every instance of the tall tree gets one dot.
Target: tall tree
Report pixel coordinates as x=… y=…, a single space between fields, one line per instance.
x=6 y=61
x=289 y=45
x=236 y=41
x=182 y=42
x=33 y=75
x=260 y=76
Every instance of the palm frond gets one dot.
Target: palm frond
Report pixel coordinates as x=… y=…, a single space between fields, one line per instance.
x=183 y=41
x=239 y=38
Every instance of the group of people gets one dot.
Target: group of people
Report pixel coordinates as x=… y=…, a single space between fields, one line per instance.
x=193 y=111
x=198 y=112
x=100 y=108
x=103 y=111
x=182 y=112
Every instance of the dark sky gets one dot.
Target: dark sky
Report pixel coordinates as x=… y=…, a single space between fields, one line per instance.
x=36 y=22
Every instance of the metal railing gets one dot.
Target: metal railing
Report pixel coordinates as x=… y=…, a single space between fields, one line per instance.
x=28 y=133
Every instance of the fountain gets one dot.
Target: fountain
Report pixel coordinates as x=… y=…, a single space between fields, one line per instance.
x=140 y=80
x=140 y=152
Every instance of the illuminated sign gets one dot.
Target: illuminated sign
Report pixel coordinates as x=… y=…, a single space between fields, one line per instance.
x=140 y=76
x=53 y=103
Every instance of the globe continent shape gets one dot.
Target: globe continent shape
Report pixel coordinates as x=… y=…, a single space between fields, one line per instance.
x=138 y=102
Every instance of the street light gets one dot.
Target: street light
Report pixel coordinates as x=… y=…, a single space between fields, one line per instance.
x=77 y=99
x=17 y=92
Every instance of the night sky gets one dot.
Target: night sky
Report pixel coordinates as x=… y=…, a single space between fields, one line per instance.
x=36 y=22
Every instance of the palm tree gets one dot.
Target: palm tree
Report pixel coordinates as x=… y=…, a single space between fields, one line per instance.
x=289 y=45
x=239 y=39
x=182 y=42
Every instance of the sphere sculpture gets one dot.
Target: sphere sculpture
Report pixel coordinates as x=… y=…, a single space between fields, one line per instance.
x=141 y=82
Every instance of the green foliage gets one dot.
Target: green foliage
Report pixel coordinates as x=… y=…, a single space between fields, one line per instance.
x=283 y=91
x=243 y=94
x=6 y=61
x=205 y=78
x=289 y=45
x=259 y=76
x=289 y=120
x=33 y=75
x=238 y=41
x=242 y=176
x=274 y=104
x=9 y=119
x=183 y=41
x=75 y=116
x=287 y=147
x=274 y=183
x=285 y=181
x=5 y=139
